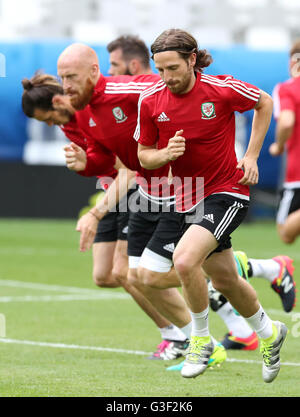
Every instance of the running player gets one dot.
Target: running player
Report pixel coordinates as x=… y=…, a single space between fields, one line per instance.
x=189 y=122
x=37 y=102
x=128 y=55
x=287 y=114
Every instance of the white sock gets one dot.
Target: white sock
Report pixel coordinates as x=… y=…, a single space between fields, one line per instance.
x=265 y=268
x=261 y=323
x=187 y=330
x=237 y=325
x=200 y=323
x=172 y=332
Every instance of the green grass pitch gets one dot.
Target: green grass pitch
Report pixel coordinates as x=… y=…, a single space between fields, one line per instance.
x=68 y=338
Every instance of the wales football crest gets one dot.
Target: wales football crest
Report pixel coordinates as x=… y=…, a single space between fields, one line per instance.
x=208 y=110
x=119 y=114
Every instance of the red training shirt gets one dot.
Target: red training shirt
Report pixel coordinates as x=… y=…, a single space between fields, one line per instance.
x=206 y=115
x=110 y=119
x=286 y=96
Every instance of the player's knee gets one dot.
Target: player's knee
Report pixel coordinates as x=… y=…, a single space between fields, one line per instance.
x=119 y=276
x=148 y=278
x=132 y=278
x=285 y=235
x=287 y=239
x=99 y=280
x=182 y=264
x=223 y=282
x=104 y=280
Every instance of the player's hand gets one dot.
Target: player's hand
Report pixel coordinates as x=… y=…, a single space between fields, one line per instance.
x=75 y=157
x=275 y=149
x=250 y=168
x=87 y=226
x=176 y=146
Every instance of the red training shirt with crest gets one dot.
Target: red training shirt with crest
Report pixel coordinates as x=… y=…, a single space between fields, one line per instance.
x=206 y=115
x=110 y=119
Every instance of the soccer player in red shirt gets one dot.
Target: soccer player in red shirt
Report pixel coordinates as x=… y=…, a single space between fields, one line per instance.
x=46 y=113
x=189 y=122
x=287 y=114
x=128 y=55
x=37 y=102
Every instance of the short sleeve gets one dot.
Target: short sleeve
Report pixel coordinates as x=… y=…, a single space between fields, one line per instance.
x=284 y=99
x=242 y=96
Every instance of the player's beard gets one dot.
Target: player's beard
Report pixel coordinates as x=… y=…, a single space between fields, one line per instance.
x=180 y=87
x=80 y=101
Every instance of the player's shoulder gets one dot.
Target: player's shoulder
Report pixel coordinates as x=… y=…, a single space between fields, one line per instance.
x=143 y=80
x=223 y=80
x=150 y=94
x=215 y=79
x=292 y=84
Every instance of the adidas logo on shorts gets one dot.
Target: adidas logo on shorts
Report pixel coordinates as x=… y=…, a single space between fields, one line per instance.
x=209 y=217
x=170 y=247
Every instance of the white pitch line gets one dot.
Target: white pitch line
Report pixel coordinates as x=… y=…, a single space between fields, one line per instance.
x=85 y=293
x=76 y=347
x=67 y=297
x=103 y=349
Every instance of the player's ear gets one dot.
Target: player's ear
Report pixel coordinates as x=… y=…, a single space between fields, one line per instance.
x=193 y=59
x=134 y=66
x=58 y=100
x=94 y=70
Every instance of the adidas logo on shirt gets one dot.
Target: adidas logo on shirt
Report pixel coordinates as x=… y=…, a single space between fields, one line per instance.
x=170 y=247
x=92 y=123
x=209 y=217
x=163 y=117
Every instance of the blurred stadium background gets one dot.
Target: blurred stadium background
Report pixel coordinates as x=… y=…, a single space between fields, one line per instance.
x=249 y=39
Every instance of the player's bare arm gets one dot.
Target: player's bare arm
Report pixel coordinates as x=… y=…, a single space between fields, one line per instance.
x=152 y=158
x=260 y=125
x=88 y=223
x=284 y=129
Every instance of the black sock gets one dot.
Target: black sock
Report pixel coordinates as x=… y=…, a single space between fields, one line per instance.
x=250 y=271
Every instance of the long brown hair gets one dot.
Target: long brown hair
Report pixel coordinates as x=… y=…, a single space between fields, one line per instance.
x=39 y=91
x=184 y=44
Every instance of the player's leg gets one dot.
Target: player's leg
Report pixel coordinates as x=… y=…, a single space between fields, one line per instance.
x=288 y=215
x=156 y=263
x=279 y=272
x=240 y=335
x=141 y=228
x=103 y=252
x=188 y=261
x=213 y=238
x=243 y=297
x=156 y=266
x=156 y=270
